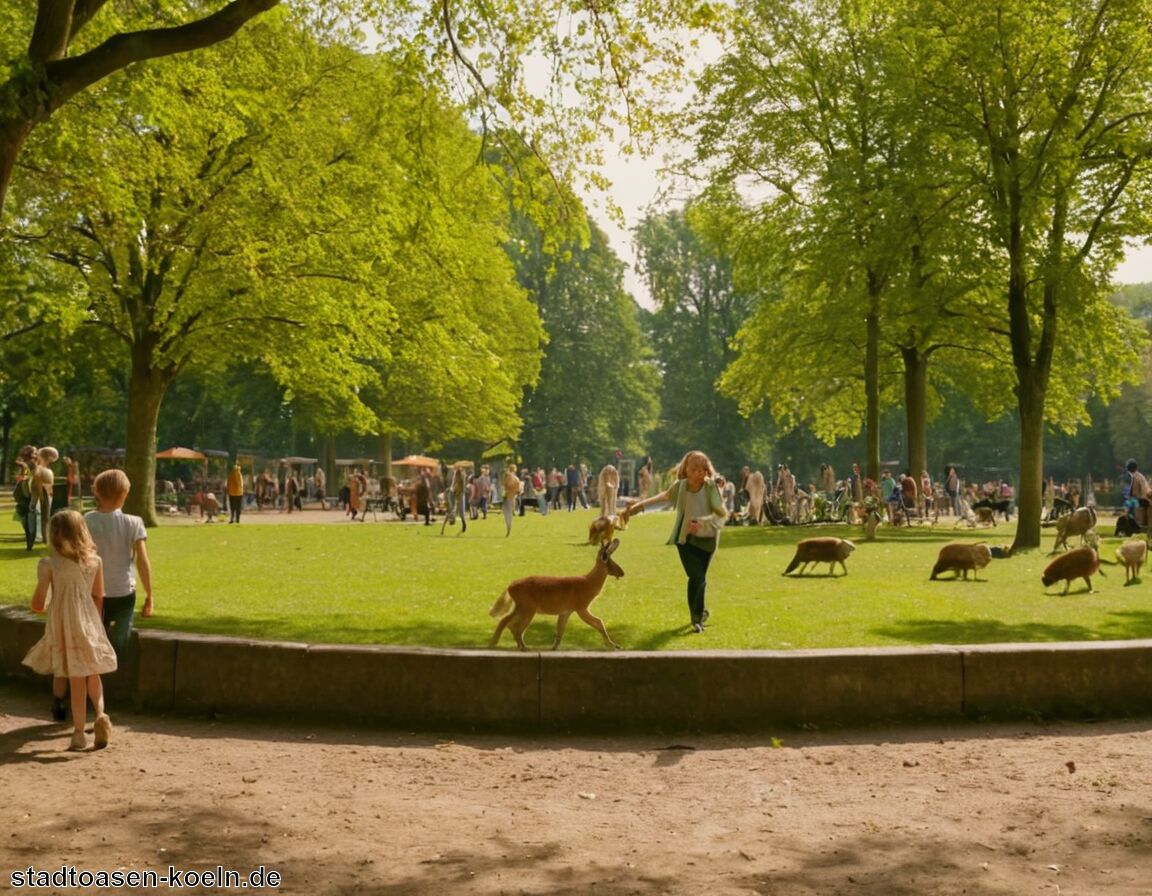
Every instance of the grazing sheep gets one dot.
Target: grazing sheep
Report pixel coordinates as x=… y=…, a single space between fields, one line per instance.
x=1132 y=554
x=1079 y=522
x=960 y=557
x=1081 y=563
x=821 y=550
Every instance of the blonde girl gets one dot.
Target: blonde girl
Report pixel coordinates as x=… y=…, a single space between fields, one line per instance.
x=74 y=647
x=700 y=515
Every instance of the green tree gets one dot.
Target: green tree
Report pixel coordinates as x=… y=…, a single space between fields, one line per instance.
x=613 y=55
x=1054 y=99
x=597 y=387
x=290 y=221
x=685 y=259
x=802 y=106
x=55 y=63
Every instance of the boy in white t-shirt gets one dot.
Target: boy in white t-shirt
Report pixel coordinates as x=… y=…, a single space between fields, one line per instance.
x=121 y=542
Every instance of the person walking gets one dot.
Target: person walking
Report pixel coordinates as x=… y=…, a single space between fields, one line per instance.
x=74 y=647
x=952 y=490
x=235 y=491
x=700 y=515
x=26 y=508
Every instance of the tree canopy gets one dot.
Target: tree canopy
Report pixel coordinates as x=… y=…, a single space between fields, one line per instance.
x=296 y=204
x=936 y=179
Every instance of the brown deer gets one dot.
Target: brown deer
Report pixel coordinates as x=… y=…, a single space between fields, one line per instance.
x=602 y=529
x=555 y=595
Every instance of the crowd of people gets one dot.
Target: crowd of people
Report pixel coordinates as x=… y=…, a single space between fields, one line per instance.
x=86 y=586
x=515 y=489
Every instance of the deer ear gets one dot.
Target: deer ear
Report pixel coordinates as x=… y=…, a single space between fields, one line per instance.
x=611 y=546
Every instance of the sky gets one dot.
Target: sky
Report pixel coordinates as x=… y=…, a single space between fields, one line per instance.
x=636 y=187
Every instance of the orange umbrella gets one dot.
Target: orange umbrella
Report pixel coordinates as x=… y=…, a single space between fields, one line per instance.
x=178 y=453
x=416 y=460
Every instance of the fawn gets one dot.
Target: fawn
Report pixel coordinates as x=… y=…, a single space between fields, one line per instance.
x=602 y=529
x=555 y=595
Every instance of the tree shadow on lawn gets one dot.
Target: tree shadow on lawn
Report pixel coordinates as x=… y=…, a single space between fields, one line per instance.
x=334 y=629
x=422 y=634
x=1128 y=625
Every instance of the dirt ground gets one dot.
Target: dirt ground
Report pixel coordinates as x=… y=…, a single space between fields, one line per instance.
x=982 y=809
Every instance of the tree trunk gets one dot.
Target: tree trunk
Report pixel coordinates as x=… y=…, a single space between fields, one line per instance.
x=916 y=409
x=5 y=439
x=872 y=393
x=386 y=453
x=146 y=390
x=328 y=458
x=1029 y=505
x=13 y=133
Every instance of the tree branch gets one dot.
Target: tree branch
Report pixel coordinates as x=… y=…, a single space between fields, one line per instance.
x=51 y=31
x=69 y=76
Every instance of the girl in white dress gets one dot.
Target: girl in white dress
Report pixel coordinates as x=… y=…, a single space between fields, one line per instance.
x=70 y=586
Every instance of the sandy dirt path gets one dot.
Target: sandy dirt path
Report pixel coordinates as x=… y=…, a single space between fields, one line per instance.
x=995 y=809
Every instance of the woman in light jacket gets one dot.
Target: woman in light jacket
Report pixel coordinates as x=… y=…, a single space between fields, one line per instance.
x=700 y=515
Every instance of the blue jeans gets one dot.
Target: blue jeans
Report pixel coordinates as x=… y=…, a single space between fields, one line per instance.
x=118 y=620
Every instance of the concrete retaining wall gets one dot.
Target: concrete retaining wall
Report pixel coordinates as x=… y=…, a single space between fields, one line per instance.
x=627 y=691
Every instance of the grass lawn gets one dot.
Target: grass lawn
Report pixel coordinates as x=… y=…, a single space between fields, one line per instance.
x=405 y=584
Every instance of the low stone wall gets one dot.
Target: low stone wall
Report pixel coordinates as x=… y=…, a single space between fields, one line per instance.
x=625 y=691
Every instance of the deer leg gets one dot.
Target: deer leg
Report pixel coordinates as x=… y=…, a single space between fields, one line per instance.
x=500 y=628
x=561 y=624
x=597 y=623
x=518 y=625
